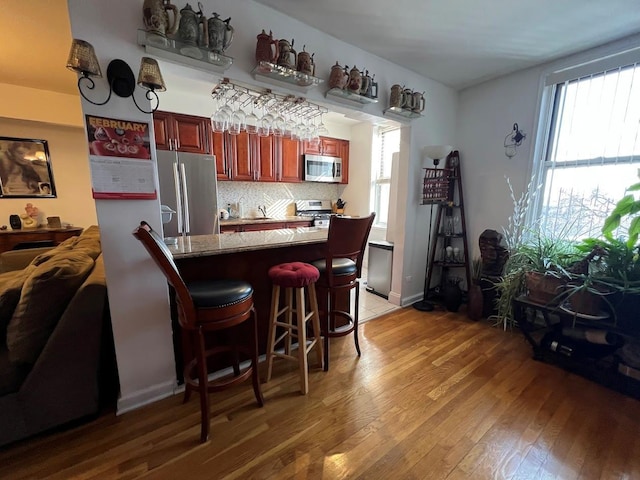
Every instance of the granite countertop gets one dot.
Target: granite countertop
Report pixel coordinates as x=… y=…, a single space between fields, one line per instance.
x=207 y=245
x=251 y=221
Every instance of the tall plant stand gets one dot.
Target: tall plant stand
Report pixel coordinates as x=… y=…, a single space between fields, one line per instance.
x=449 y=252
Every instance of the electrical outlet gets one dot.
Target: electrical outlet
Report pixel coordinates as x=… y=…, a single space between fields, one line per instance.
x=408 y=278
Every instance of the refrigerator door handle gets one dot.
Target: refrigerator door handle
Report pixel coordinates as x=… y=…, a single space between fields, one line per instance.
x=187 y=227
x=176 y=181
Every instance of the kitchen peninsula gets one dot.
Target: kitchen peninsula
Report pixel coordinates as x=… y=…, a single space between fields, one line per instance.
x=248 y=256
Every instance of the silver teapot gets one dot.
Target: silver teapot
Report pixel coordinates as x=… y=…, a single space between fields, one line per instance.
x=220 y=34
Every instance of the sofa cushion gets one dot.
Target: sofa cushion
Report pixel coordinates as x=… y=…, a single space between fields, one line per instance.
x=10 y=288
x=45 y=295
x=11 y=375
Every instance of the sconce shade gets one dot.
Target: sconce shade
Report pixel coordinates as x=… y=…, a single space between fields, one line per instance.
x=150 y=76
x=82 y=59
x=436 y=152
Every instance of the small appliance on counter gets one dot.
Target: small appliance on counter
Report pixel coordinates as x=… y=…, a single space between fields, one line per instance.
x=319 y=210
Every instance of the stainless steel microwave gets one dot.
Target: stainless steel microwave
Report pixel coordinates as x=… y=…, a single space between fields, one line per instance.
x=318 y=168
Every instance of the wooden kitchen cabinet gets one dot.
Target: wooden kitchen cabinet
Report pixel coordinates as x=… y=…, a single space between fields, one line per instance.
x=344 y=155
x=290 y=160
x=183 y=133
x=223 y=170
x=265 y=225
x=251 y=157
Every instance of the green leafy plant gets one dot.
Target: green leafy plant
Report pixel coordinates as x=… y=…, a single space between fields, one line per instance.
x=628 y=206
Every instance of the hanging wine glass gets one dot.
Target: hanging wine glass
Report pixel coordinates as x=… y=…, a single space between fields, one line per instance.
x=251 y=120
x=220 y=118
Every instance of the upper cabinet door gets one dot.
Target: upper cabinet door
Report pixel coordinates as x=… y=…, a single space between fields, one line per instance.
x=162 y=130
x=223 y=169
x=241 y=153
x=330 y=146
x=290 y=160
x=266 y=160
x=344 y=154
x=190 y=133
x=311 y=148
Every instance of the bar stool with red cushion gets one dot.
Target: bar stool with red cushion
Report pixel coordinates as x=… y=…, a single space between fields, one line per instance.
x=294 y=277
x=339 y=272
x=208 y=306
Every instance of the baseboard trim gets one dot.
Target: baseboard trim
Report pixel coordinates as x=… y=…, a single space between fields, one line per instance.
x=146 y=396
x=412 y=299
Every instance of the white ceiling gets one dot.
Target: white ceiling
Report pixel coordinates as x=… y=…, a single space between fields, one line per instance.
x=464 y=42
x=457 y=42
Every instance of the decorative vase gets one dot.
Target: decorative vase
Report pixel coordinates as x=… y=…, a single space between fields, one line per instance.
x=452 y=295
x=475 y=305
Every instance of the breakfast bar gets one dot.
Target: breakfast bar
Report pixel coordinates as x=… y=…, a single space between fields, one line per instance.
x=248 y=256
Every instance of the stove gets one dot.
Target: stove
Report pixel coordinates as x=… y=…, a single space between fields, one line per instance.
x=319 y=210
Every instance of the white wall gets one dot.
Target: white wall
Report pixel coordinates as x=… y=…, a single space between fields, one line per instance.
x=138 y=294
x=136 y=290
x=67 y=150
x=486 y=115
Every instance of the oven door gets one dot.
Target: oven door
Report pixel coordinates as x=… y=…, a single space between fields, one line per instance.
x=318 y=168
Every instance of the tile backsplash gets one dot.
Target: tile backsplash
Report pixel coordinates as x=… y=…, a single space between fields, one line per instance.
x=279 y=198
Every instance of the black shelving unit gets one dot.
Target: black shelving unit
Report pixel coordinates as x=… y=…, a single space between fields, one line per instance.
x=448 y=233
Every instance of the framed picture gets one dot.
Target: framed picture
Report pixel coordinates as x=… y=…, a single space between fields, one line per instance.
x=25 y=168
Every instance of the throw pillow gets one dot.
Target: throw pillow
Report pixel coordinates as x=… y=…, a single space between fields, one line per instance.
x=45 y=295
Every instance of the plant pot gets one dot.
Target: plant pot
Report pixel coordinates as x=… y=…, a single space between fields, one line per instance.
x=586 y=302
x=476 y=302
x=544 y=289
x=452 y=296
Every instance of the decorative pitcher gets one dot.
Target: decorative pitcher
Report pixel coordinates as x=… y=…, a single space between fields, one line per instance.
x=288 y=57
x=190 y=31
x=338 y=77
x=266 y=48
x=220 y=34
x=155 y=14
x=305 y=62
x=408 y=99
x=396 y=99
x=355 y=80
x=418 y=102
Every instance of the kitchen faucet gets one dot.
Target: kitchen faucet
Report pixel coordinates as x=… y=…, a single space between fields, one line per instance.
x=263 y=210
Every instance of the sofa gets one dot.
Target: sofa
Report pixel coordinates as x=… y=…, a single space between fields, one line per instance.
x=54 y=325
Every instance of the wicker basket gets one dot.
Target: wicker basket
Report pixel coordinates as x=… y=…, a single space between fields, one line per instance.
x=435 y=186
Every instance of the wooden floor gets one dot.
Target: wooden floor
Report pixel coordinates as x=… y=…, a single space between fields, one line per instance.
x=433 y=396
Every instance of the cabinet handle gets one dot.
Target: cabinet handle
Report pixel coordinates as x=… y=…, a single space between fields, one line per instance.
x=170 y=145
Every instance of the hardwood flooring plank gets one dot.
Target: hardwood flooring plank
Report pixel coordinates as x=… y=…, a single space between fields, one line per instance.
x=433 y=396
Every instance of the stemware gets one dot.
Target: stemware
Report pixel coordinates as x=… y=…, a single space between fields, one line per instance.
x=251 y=120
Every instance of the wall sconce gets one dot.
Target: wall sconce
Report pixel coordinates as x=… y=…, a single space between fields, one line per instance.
x=82 y=59
x=512 y=141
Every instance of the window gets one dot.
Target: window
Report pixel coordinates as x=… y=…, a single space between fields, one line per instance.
x=381 y=175
x=592 y=150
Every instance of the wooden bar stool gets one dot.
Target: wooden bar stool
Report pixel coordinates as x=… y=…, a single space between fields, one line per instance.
x=339 y=273
x=294 y=277
x=208 y=306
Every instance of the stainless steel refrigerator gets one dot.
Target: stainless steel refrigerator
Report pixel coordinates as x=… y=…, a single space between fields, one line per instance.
x=188 y=185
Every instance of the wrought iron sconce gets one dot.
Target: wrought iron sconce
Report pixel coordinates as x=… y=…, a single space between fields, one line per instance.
x=513 y=140
x=82 y=59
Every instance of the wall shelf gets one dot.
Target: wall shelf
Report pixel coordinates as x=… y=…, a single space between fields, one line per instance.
x=270 y=72
x=339 y=94
x=398 y=112
x=182 y=53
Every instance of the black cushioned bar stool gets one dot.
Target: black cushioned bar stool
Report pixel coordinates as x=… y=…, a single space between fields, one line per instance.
x=339 y=272
x=208 y=306
x=294 y=277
